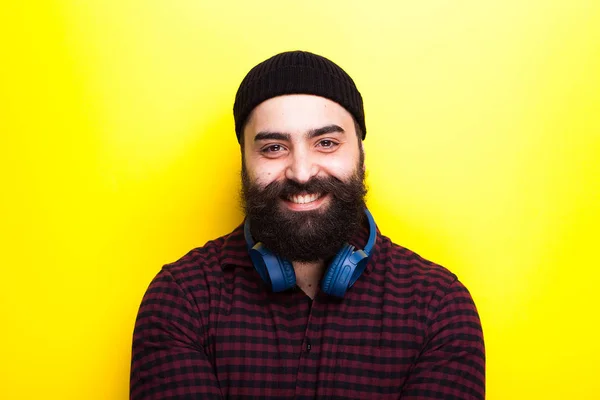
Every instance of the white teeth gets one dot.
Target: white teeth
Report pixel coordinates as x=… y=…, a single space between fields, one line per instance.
x=303 y=199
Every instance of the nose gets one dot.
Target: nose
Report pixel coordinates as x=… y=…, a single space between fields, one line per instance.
x=301 y=167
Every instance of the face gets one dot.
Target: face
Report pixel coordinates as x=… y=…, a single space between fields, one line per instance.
x=302 y=176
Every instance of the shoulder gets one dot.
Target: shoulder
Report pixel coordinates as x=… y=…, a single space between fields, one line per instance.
x=206 y=263
x=408 y=274
x=197 y=264
x=198 y=275
x=427 y=291
x=408 y=264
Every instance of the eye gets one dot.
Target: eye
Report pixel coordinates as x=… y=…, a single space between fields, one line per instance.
x=272 y=150
x=327 y=144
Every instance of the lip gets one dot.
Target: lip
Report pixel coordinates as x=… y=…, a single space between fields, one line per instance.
x=313 y=205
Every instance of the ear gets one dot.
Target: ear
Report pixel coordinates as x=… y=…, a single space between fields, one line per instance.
x=244 y=136
x=361 y=149
x=364 y=164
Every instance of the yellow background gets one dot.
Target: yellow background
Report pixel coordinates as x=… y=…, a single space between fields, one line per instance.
x=118 y=155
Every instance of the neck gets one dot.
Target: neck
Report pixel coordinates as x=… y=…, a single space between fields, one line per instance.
x=308 y=276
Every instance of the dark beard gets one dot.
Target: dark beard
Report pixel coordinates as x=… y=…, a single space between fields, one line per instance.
x=305 y=235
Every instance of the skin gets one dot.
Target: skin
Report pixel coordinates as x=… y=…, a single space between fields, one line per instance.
x=299 y=137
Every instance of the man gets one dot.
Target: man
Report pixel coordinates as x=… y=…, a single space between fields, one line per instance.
x=306 y=299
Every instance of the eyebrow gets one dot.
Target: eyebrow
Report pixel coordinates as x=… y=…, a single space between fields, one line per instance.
x=324 y=131
x=266 y=135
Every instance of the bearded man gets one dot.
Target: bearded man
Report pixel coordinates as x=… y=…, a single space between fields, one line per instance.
x=306 y=299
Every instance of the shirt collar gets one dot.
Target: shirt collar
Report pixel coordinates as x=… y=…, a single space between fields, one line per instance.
x=235 y=250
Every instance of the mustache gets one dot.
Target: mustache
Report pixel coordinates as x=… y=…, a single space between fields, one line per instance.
x=289 y=187
x=285 y=188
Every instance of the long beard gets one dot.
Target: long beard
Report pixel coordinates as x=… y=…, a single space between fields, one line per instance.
x=305 y=235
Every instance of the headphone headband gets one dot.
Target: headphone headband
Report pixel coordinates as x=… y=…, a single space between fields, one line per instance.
x=372 y=233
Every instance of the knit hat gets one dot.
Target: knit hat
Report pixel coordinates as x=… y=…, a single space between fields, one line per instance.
x=297 y=72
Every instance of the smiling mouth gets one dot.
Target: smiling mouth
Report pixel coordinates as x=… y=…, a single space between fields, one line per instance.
x=304 y=198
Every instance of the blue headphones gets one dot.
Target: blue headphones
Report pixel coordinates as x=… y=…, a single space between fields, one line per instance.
x=344 y=270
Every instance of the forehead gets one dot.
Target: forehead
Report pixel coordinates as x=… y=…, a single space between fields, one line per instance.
x=297 y=113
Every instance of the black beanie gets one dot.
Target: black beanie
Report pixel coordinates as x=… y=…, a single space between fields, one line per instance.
x=297 y=72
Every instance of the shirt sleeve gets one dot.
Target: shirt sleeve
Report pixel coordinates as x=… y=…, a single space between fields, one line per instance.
x=168 y=361
x=452 y=362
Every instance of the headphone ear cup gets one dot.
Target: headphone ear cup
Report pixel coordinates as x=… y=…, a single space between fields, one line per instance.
x=256 y=255
x=274 y=270
x=331 y=283
x=287 y=271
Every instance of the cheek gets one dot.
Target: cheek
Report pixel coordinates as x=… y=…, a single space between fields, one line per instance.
x=341 y=167
x=264 y=174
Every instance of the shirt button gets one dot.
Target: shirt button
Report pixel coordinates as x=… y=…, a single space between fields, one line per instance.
x=308 y=346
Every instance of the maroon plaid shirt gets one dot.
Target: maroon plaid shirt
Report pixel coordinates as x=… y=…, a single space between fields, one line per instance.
x=208 y=328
